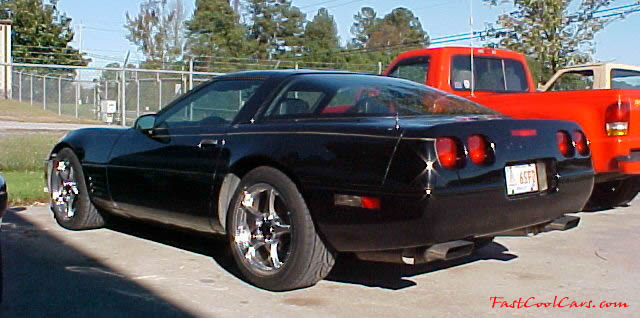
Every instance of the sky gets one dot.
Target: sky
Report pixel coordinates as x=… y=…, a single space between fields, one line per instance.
x=103 y=34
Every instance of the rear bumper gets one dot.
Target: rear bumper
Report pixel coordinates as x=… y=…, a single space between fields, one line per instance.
x=619 y=155
x=629 y=164
x=454 y=213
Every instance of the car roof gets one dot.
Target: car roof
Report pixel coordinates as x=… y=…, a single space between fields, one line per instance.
x=279 y=73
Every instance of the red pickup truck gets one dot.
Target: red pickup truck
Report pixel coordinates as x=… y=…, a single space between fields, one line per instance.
x=501 y=80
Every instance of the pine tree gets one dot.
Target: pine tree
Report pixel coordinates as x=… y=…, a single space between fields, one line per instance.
x=364 y=21
x=276 y=28
x=41 y=34
x=213 y=30
x=321 y=40
x=398 y=28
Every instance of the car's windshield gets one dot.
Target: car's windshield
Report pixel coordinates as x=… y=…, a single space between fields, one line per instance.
x=335 y=95
x=625 y=79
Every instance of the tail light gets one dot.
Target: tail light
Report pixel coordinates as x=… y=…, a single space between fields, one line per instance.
x=617 y=119
x=580 y=142
x=564 y=143
x=449 y=152
x=480 y=151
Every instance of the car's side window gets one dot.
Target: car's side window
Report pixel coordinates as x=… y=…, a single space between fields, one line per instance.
x=572 y=81
x=295 y=102
x=216 y=104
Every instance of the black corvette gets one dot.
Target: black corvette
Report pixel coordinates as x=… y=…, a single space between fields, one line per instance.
x=296 y=166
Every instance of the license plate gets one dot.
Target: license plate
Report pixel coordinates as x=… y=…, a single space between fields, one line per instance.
x=521 y=179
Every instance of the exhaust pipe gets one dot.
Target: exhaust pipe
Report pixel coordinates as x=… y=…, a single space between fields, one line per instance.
x=412 y=256
x=562 y=223
x=448 y=251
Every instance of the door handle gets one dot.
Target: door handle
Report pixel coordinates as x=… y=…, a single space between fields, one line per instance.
x=206 y=143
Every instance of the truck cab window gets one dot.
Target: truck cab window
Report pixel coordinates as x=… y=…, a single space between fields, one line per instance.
x=625 y=79
x=413 y=69
x=574 y=81
x=489 y=74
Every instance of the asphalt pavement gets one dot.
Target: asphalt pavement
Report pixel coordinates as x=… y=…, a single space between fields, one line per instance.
x=133 y=270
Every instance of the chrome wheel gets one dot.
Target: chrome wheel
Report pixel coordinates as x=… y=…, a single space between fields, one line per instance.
x=261 y=229
x=64 y=189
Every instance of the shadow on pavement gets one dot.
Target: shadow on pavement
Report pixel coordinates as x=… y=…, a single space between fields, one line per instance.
x=350 y=270
x=45 y=277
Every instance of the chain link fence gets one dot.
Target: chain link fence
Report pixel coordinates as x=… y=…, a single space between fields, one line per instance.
x=114 y=96
x=119 y=96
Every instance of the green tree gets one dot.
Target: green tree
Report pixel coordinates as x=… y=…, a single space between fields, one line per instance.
x=157 y=31
x=398 y=28
x=41 y=34
x=364 y=21
x=276 y=28
x=554 y=33
x=321 y=40
x=213 y=30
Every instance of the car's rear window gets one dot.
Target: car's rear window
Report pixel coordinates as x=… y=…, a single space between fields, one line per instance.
x=625 y=79
x=489 y=74
x=343 y=95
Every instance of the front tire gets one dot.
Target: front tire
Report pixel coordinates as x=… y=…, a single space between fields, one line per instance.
x=271 y=235
x=70 y=202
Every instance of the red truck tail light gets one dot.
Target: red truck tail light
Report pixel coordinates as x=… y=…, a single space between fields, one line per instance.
x=564 y=143
x=449 y=152
x=616 y=119
x=480 y=151
x=580 y=142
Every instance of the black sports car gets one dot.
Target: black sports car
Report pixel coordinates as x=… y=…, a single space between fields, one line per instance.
x=3 y=208
x=295 y=166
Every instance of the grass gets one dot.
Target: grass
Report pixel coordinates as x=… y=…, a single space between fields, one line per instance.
x=25 y=187
x=24 y=112
x=25 y=152
x=21 y=164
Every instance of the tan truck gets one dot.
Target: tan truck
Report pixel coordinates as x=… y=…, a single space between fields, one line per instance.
x=594 y=76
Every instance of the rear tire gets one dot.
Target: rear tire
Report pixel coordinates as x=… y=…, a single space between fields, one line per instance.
x=70 y=202
x=614 y=193
x=271 y=234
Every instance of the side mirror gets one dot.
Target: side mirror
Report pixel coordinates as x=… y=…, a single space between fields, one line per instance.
x=145 y=123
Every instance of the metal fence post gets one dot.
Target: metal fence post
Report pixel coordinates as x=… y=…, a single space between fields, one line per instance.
x=20 y=86
x=96 y=111
x=379 y=68
x=31 y=87
x=137 y=95
x=124 y=97
x=190 y=74
x=60 y=95
x=77 y=96
x=159 y=90
x=44 y=92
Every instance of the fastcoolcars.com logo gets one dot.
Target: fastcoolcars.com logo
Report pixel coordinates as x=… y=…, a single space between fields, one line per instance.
x=558 y=302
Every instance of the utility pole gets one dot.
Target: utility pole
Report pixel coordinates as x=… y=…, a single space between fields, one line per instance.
x=80 y=29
